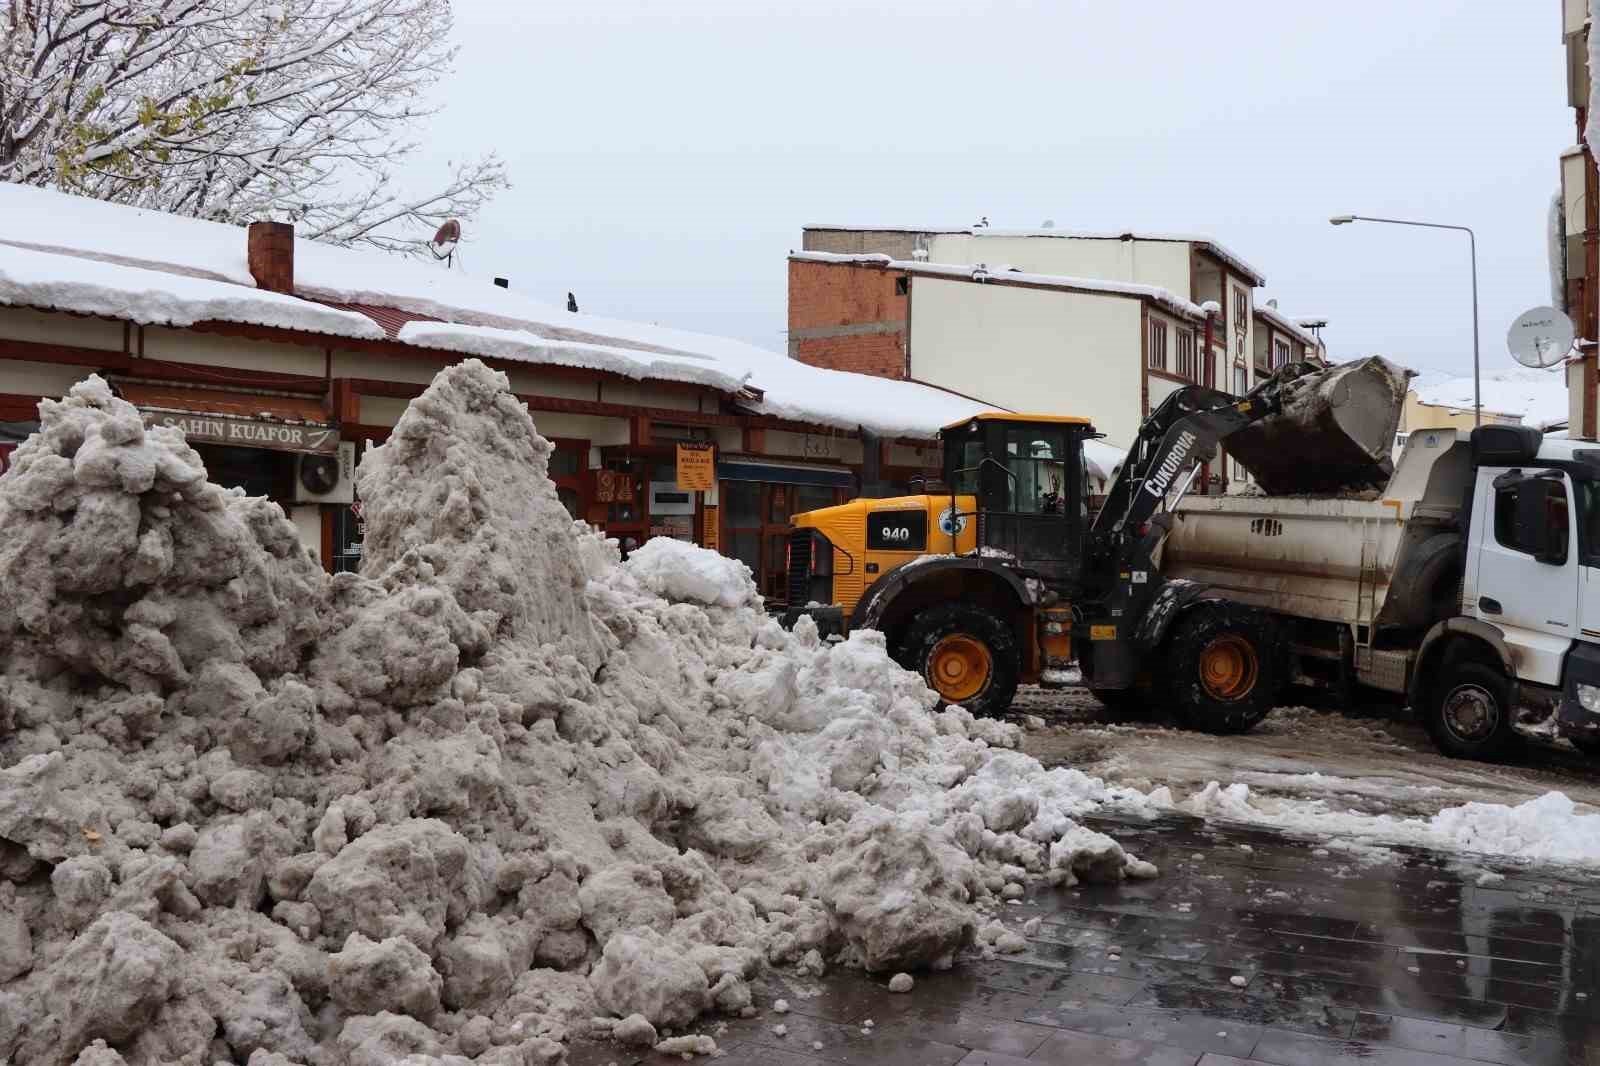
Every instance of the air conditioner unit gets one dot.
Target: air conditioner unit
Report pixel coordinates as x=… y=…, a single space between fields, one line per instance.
x=326 y=478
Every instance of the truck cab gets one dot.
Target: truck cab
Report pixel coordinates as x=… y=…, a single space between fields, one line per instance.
x=1532 y=582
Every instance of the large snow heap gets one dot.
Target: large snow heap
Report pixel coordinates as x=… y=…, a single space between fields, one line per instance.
x=492 y=792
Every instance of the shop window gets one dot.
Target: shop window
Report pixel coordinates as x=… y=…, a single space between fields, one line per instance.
x=755 y=526
x=569 y=464
x=258 y=471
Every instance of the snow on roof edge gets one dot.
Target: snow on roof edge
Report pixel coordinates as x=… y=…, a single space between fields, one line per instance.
x=1221 y=251
x=1287 y=324
x=1001 y=274
x=47 y=281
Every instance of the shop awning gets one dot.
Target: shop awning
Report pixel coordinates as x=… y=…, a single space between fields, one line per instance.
x=236 y=419
x=785 y=474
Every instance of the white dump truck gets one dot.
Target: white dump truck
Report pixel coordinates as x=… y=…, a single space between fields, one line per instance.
x=1469 y=585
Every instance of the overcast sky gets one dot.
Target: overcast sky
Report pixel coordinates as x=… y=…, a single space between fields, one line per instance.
x=666 y=153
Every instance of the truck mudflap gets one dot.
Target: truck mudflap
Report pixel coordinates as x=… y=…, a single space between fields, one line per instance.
x=830 y=620
x=1573 y=720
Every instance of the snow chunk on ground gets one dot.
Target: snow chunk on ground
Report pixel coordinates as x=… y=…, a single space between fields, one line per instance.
x=687 y=573
x=1548 y=828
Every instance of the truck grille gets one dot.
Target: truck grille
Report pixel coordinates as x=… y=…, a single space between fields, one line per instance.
x=799 y=567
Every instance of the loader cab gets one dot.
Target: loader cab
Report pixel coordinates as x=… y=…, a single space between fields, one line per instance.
x=1027 y=473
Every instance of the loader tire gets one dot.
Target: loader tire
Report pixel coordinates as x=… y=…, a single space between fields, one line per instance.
x=1469 y=713
x=967 y=654
x=1223 y=668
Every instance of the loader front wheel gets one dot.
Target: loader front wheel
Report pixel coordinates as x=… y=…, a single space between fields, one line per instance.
x=1223 y=668
x=967 y=655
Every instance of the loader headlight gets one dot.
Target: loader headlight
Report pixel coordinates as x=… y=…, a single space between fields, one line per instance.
x=1589 y=697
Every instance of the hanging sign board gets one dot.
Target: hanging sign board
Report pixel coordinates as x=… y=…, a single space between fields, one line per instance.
x=248 y=432
x=708 y=532
x=696 y=467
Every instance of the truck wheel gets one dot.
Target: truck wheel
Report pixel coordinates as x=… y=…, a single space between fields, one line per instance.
x=1469 y=712
x=1222 y=668
x=966 y=654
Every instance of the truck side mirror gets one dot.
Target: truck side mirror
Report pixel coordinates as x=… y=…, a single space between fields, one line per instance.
x=1542 y=519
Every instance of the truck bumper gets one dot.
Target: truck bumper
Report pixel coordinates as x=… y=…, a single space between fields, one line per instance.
x=1572 y=719
x=830 y=620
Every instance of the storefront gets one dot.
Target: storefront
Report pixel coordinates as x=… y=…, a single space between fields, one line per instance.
x=279 y=445
x=758 y=500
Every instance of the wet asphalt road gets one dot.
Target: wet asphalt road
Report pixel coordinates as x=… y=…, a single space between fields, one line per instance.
x=1411 y=957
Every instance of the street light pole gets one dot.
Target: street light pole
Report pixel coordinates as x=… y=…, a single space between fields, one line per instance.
x=1472 y=238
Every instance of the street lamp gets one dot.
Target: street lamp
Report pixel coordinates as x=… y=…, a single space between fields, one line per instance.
x=1477 y=388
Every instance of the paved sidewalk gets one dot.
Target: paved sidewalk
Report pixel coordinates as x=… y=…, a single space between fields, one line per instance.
x=1401 y=960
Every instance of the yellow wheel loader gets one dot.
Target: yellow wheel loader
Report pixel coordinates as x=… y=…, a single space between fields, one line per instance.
x=1001 y=577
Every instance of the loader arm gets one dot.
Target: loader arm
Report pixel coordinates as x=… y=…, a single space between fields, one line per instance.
x=1121 y=580
x=1181 y=433
x=1305 y=428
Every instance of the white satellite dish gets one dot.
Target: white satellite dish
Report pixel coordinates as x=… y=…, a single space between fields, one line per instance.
x=1540 y=338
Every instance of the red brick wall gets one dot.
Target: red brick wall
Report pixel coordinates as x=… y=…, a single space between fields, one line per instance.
x=847 y=317
x=841 y=294
x=880 y=354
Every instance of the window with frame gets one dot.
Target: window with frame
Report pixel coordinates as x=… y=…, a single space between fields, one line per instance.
x=1280 y=353
x=1241 y=311
x=1188 y=365
x=1158 y=344
x=1511 y=526
x=1241 y=380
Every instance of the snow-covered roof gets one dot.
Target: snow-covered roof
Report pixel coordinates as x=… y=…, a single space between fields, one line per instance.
x=1288 y=325
x=71 y=253
x=1539 y=396
x=1001 y=275
x=1204 y=243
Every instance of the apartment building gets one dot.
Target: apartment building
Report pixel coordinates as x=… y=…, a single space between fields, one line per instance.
x=1097 y=324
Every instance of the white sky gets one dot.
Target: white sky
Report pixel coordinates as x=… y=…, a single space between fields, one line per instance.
x=666 y=153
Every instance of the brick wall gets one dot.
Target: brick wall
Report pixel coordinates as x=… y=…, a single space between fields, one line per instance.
x=848 y=317
x=880 y=354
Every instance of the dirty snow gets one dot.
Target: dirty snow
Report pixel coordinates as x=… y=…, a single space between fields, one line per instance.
x=1375 y=783
x=467 y=802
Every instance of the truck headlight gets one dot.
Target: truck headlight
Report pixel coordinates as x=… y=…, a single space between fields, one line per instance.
x=1589 y=697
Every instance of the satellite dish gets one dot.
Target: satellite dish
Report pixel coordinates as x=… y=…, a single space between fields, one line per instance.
x=444 y=242
x=1540 y=338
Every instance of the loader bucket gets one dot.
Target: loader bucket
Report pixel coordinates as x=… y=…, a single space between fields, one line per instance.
x=1334 y=434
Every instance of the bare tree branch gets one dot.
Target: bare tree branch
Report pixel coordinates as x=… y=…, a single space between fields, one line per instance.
x=235 y=110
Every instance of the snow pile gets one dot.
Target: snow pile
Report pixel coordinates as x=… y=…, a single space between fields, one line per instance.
x=1546 y=829
x=492 y=791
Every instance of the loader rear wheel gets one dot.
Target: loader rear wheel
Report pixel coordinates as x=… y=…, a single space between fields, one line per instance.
x=1222 y=668
x=966 y=654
